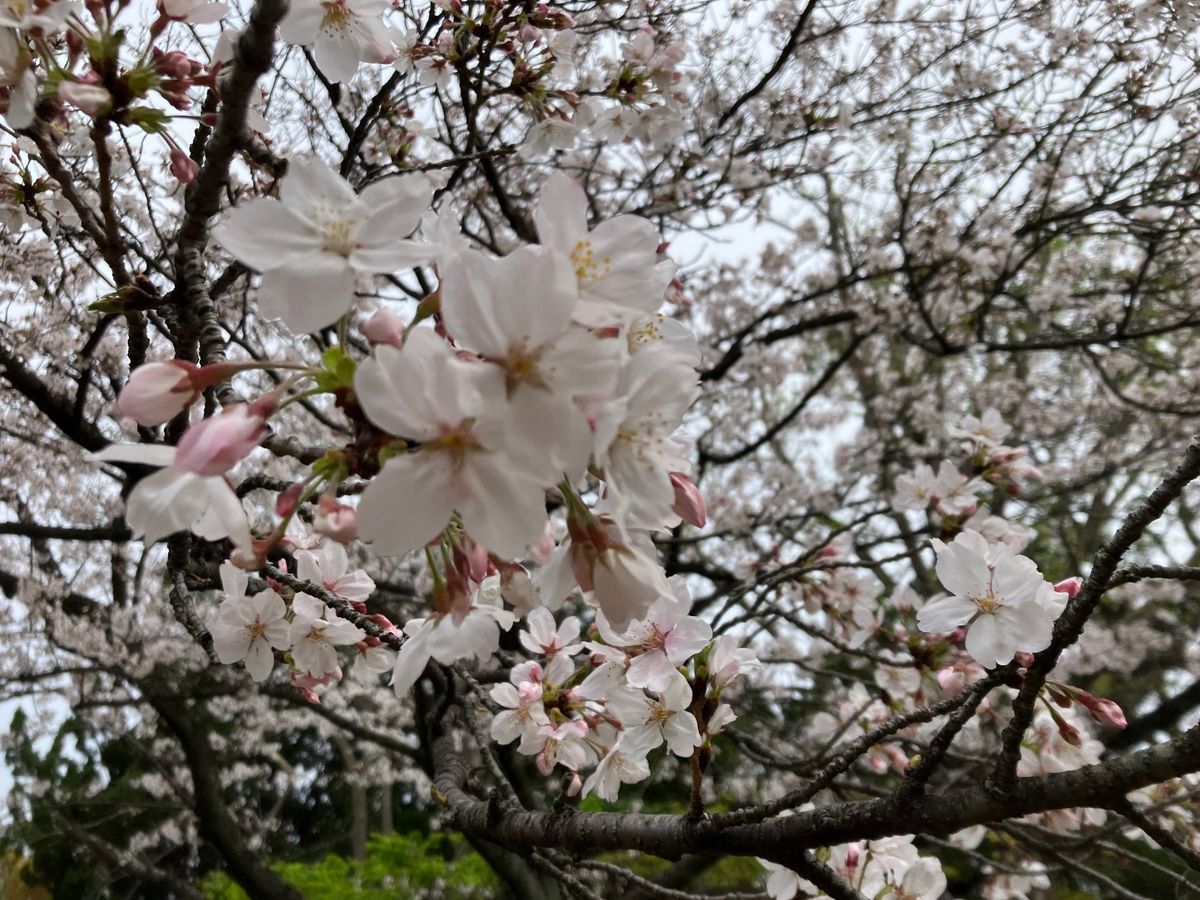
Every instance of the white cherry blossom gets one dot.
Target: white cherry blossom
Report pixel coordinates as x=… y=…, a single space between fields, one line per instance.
x=998 y=596
x=618 y=273
x=316 y=632
x=247 y=628
x=515 y=312
x=171 y=500
x=624 y=763
x=330 y=568
x=636 y=439
x=342 y=33
x=471 y=459
x=312 y=242
x=663 y=718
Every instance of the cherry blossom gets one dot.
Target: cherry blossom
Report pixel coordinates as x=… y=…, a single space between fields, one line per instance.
x=316 y=632
x=664 y=718
x=662 y=642
x=172 y=499
x=342 y=33
x=248 y=628
x=471 y=460
x=312 y=242
x=329 y=567
x=624 y=763
x=637 y=444
x=617 y=270
x=541 y=636
x=546 y=363
x=1000 y=597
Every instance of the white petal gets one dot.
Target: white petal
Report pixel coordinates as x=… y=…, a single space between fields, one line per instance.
x=308 y=294
x=407 y=504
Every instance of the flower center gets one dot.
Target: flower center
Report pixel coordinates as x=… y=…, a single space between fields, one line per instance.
x=337 y=17
x=457 y=440
x=587 y=267
x=337 y=236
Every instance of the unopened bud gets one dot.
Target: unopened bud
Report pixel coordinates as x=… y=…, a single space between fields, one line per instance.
x=689 y=502
x=335 y=520
x=1069 y=586
x=184 y=167
x=214 y=446
x=384 y=327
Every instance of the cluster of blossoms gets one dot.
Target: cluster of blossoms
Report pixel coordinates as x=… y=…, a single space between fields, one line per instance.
x=637 y=95
x=249 y=629
x=549 y=374
x=887 y=868
x=658 y=681
x=954 y=496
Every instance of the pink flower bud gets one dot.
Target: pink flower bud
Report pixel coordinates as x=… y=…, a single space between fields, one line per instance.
x=92 y=99
x=184 y=167
x=952 y=681
x=1069 y=586
x=384 y=327
x=1024 y=658
x=288 y=500
x=575 y=786
x=689 y=502
x=213 y=446
x=1070 y=733
x=158 y=391
x=336 y=520
x=1106 y=712
x=383 y=622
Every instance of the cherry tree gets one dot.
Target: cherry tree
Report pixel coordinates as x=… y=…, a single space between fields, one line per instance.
x=609 y=432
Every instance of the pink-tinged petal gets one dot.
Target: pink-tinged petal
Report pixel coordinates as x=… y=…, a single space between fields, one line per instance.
x=989 y=643
x=506 y=695
x=505 y=512
x=945 y=614
x=407 y=504
x=336 y=54
x=308 y=295
x=561 y=216
x=264 y=234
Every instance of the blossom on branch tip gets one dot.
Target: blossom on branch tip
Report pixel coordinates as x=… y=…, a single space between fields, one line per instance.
x=1003 y=600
